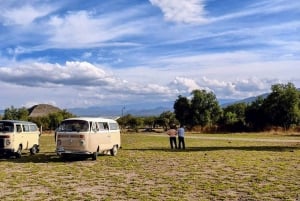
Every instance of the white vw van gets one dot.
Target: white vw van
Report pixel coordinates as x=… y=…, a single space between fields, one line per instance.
x=16 y=136
x=87 y=136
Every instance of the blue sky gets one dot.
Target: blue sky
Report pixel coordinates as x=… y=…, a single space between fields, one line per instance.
x=78 y=53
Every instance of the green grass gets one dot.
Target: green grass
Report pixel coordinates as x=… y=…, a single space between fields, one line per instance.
x=146 y=169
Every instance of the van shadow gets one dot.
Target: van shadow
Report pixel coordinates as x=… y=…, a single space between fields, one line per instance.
x=222 y=148
x=50 y=157
x=45 y=157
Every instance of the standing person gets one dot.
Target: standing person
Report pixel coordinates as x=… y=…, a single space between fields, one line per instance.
x=172 y=133
x=181 y=137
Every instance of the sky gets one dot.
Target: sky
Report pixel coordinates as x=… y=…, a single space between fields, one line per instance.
x=79 y=53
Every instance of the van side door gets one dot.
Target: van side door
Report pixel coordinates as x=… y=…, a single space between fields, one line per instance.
x=104 y=134
x=19 y=137
x=115 y=134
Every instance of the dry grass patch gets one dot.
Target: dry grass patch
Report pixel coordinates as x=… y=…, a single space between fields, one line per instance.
x=146 y=169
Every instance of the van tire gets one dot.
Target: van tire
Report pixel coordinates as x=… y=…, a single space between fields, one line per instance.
x=18 y=154
x=34 y=150
x=94 y=156
x=114 y=150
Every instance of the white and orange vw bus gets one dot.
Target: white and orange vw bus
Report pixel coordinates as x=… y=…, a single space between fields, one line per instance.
x=87 y=136
x=16 y=136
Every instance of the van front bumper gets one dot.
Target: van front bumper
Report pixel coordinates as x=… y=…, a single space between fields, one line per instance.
x=61 y=151
x=6 y=151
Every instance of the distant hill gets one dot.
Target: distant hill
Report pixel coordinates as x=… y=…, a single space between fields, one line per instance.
x=116 y=110
x=139 y=109
x=246 y=100
x=42 y=110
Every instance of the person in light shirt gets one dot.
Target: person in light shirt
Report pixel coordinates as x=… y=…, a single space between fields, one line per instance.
x=172 y=132
x=181 y=142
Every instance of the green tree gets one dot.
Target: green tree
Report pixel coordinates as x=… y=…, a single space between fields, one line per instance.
x=182 y=110
x=134 y=123
x=11 y=113
x=205 y=108
x=282 y=105
x=123 y=121
x=166 y=119
x=57 y=117
x=149 y=121
x=255 y=117
x=233 y=118
x=16 y=113
x=42 y=122
x=23 y=114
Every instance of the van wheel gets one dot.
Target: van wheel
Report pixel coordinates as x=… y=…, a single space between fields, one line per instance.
x=114 y=150
x=18 y=154
x=37 y=148
x=34 y=150
x=94 y=156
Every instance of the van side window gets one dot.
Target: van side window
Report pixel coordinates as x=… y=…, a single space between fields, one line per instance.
x=33 y=128
x=26 y=128
x=113 y=126
x=95 y=127
x=19 y=128
x=103 y=126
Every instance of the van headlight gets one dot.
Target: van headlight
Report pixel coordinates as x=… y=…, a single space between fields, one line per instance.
x=7 y=142
x=82 y=142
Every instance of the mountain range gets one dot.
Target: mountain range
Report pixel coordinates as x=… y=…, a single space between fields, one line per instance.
x=143 y=109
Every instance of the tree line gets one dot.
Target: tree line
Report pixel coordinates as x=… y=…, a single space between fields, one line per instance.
x=281 y=108
x=47 y=122
x=202 y=112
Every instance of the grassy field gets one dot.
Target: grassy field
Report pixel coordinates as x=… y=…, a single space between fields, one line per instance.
x=213 y=167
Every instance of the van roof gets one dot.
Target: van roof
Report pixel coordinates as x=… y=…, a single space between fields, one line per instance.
x=92 y=119
x=17 y=121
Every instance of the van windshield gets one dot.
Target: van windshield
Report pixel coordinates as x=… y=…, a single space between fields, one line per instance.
x=74 y=126
x=6 y=127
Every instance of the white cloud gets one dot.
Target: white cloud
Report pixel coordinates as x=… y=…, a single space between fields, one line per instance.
x=187 y=11
x=261 y=7
x=184 y=84
x=83 y=29
x=229 y=75
x=239 y=88
x=73 y=73
x=24 y=15
x=87 y=55
x=80 y=79
x=81 y=83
